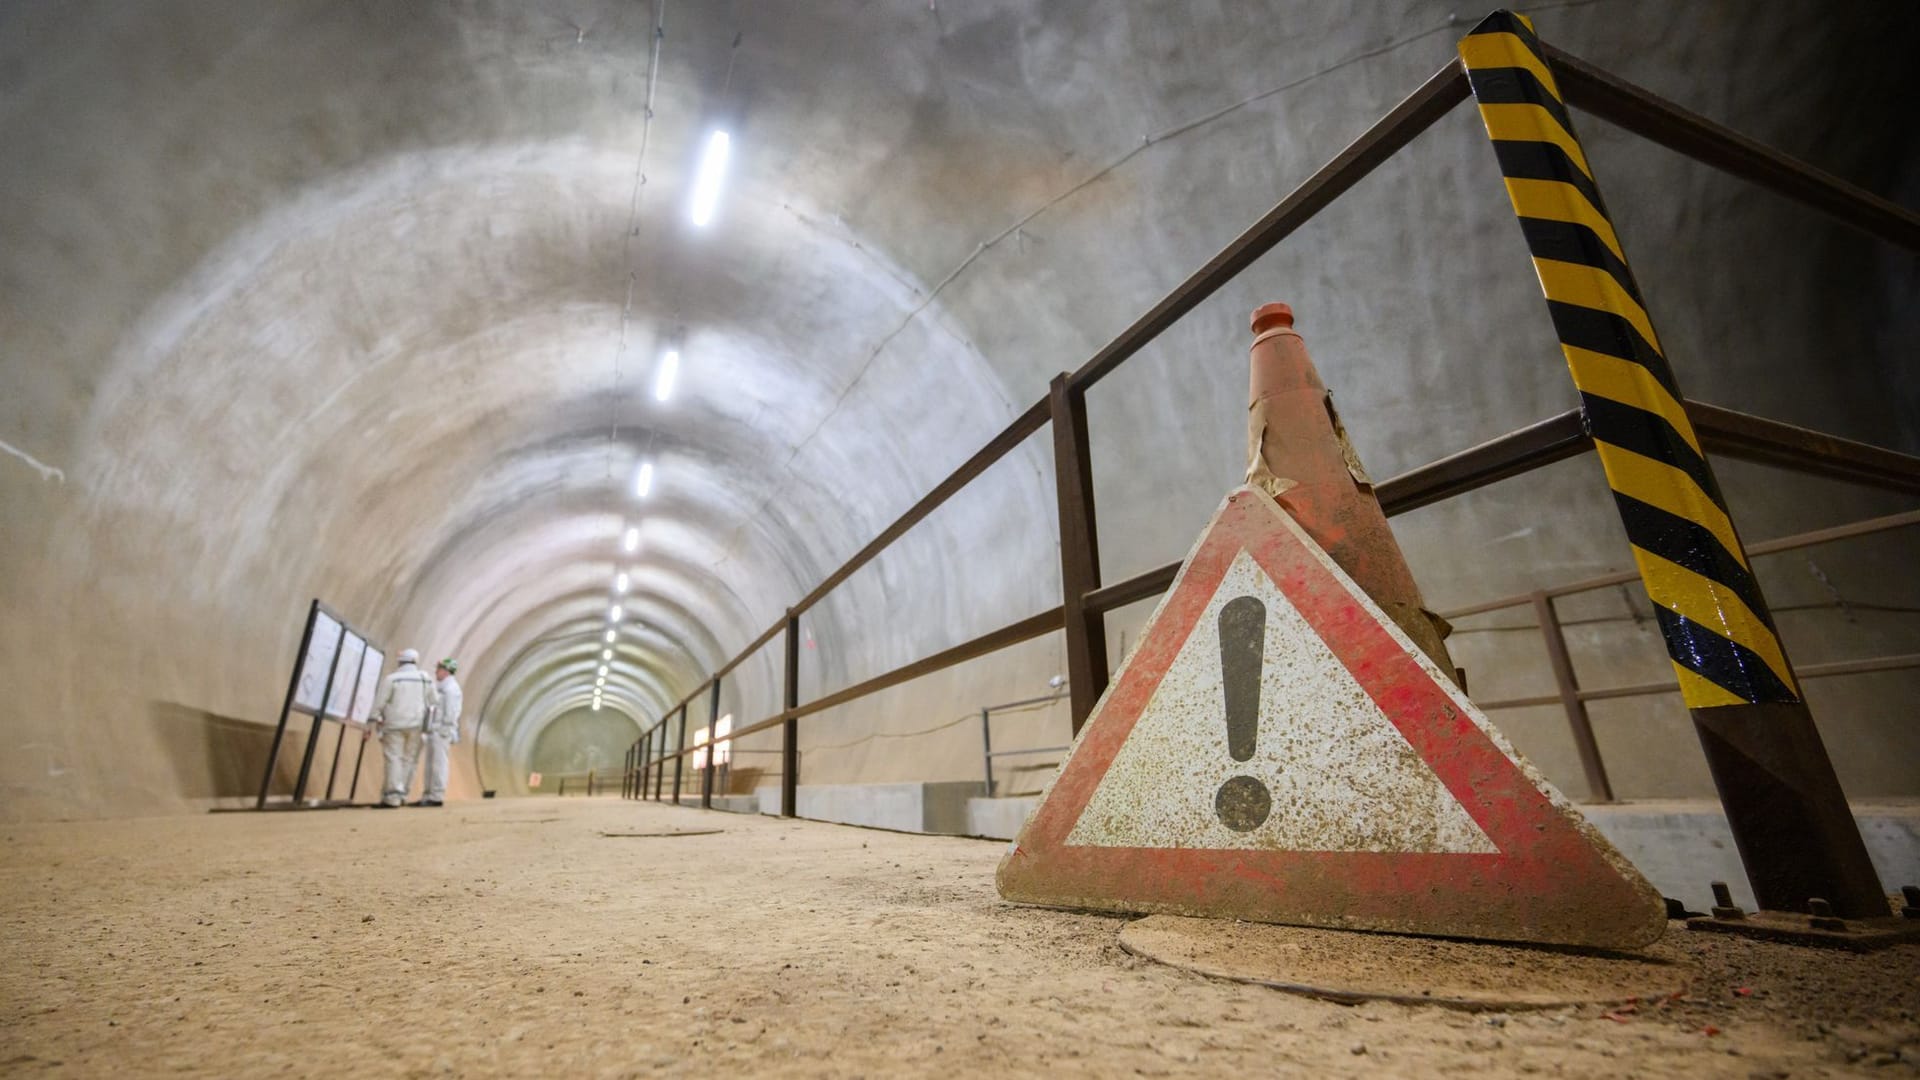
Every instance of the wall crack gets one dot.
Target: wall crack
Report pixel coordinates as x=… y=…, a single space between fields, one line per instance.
x=46 y=471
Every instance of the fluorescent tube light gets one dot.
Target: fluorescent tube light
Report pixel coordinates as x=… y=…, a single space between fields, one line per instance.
x=663 y=382
x=706 y=183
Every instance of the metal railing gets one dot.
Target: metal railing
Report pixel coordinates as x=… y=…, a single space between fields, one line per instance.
x=589 y=782
x=988 y=753
x=1573 y=698
x=1086 y=599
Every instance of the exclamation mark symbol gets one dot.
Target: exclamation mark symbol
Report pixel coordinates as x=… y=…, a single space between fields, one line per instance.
x=1243 y=802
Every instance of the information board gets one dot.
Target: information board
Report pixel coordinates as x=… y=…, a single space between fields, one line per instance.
x=318 y=663
x=370 y=665
x=345 y=668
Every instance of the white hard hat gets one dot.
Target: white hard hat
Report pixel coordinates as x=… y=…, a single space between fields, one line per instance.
x=409 y=656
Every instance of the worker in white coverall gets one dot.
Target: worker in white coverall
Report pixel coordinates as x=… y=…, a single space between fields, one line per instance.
x=407 y=701
x=443 y=730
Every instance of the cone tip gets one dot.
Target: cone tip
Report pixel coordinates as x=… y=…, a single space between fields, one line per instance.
x=1269 y=316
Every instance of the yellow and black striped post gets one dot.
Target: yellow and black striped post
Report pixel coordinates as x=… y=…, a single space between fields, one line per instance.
x=1790 y=819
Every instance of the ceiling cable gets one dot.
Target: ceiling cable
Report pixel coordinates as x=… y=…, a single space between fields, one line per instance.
x=733 y=54
x=633 y=228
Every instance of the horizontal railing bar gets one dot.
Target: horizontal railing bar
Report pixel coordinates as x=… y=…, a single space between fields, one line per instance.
x=1867 y=666
x=1005 y=705
x=1837 y=532
x=986 y=457
x=1520 y=702
x=1138 y=587
x=1722 y=431
x=1788 y=446
x=1764 y=547
x=1896 y=662
x=1029 y=750
x=1031 y=627
x=1553 y=439
x=1619 y=102
x=1026 y=629
x=998 y=447
x=1532 y=447
x=1440 y=93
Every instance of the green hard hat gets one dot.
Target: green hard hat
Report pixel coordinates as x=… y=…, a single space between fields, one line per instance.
x=450 y=664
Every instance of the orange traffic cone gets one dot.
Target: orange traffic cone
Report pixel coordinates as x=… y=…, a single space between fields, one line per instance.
x=1298 y=453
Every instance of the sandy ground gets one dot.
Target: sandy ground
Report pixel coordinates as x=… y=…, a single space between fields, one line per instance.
x=513 y=938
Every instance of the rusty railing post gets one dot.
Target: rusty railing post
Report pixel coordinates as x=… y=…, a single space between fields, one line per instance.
x=986 y=746
x=659 y=759
x=713 y=720
x=1599 y=789
x=790 y=729
x=1079 y=549
x=680 y=755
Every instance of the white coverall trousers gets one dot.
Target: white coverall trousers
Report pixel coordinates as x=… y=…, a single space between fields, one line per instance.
x=402 y=750
x=437 y=743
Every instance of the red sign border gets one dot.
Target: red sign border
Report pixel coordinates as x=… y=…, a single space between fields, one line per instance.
x=1554 y=878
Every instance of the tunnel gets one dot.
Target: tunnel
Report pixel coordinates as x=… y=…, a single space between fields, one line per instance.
x=580 y=341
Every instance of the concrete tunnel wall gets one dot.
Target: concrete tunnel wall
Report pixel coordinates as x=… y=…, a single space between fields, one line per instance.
x=317 y=299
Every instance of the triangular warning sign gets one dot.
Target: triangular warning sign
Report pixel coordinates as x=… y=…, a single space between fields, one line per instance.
x=1277 y=750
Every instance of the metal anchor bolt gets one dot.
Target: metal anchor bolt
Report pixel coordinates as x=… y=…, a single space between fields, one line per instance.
x=1723 y=905
x=1822 y=915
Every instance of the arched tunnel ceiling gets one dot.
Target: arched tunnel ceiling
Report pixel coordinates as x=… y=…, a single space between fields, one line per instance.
x=365 y=300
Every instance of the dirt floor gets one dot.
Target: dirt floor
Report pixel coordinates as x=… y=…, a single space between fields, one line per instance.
x=514 y=938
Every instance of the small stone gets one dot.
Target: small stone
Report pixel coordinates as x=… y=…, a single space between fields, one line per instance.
x=1358 y=1049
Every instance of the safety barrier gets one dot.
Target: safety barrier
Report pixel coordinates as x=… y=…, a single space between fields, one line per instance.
x=1788 y=816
